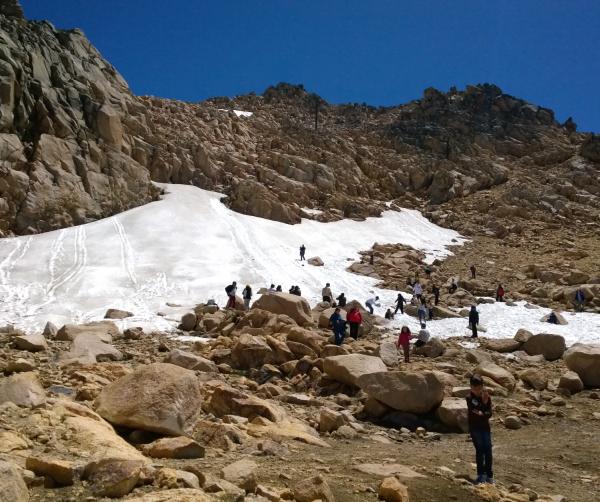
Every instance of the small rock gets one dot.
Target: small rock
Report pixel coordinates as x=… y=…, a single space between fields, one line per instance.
x=313 y=489
x=241 y=473
x=174 y=447
x=512 y=422
x=392 y=490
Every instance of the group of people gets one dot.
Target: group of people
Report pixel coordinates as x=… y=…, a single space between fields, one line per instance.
x=338 y=324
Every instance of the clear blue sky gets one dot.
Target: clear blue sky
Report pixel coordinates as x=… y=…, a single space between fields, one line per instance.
x=382 y=52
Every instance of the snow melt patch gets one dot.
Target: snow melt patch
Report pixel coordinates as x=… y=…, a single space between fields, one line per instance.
x=238 y=113
x=185 y=249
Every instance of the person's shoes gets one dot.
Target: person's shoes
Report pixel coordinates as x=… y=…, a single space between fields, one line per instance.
x=490 y=481
x=480 y=479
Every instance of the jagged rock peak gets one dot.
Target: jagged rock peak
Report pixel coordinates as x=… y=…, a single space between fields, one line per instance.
x=11 y=8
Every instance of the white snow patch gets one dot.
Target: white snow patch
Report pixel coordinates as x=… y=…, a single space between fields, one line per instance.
x=308 y=210
x=239 y=113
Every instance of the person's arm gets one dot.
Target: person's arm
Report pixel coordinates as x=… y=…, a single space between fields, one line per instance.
x=486 y=402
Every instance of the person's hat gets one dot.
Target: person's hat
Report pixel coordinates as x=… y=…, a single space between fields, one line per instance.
x=476 y=380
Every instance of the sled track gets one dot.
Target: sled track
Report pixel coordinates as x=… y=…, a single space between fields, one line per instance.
x=72 y=273
x=127 y=254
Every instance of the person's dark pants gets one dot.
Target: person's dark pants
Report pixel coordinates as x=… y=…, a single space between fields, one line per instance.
x=419 y=343
x=230 y=303
x=422 y=316
x=499 y=298
x=474 y=329
x=406 y=350
x=302 y=257
x=437 y=299
x=370 y=307
x=339 y=335
x=399 y=307
x=482 y=441
x=580 y=306
x=473 y=274
x=327 y=299
x=354 y=330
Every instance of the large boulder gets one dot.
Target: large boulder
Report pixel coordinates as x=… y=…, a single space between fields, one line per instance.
x=326 y=314
x=105 y=330
x=89 y=348
x=159 y=397
x=534 y=378
x=388 y=352
x=348 y=369
x=433 y=348
x=22 y=389
x=453 y=413
x=502 y=345
x=190 y=361
x=560 y=319
x=404 y=391
x=31 y=343
x=552 y=347
x=293 y=306
x=584 y=359
x=497 y=374
x=12 y=486
x=250 y=352
x=571 y=382
x=226 y=400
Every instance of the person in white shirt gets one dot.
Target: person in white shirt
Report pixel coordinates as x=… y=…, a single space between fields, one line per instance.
x=423 y=336
x=372 y=302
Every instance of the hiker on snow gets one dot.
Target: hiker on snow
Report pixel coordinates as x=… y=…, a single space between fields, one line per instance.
x=338 y=325
x=473 y=320
x=579 y=299
x=372 y=301
x=341 y=300
x=400 y=301
x=231 y=290
x=404 y=342
x=389 y=315
x=422 y=312
x=302 y=252
x=327 y=294
x=354 y=318
x=418 y=290
x=271 y=289
x=500 y=293
x=247 y=296
x=479 y=405
x=278 y=289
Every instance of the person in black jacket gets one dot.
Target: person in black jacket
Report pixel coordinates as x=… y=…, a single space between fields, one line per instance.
x=302 y=252
x=341 y=300
x=400 y=301
x=247 y=296
x=479 y=405
x=436 y=293
x=473 y=320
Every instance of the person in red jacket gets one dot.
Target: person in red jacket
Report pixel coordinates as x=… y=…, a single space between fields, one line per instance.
x=354 y=318
x=404 y=342
x=500 y=293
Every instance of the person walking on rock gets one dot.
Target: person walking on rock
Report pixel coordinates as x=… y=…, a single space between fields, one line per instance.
x=418 y=290
x=271 y=289
x=338 y=325
x=500 y=293
x=400 y=301
x=231 y=291
x=473 y=272
x=247 y=296
x=341 y=300
x=302 y=252
x=473 y=320
x=422 y=312
x=479 y=405
x=354 y=319
x=579 y=299
x=404 y=342
x=436 y=294
x=326 y=293
x=372 y=302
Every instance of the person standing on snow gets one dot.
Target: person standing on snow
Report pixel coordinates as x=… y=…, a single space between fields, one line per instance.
x=479 y=406
x=247 y=296
x=500 y=293
x=327 y=294
x=278 y=289
x=579 y=299
x=404 y=342
x=400 y=301
x=231 y=291
x=302 y=252
x=354 y=318
x=338 y=325
x=422 y=312
x=372 y=302
x=271 y=289
x=473 y=320
x=389 y=315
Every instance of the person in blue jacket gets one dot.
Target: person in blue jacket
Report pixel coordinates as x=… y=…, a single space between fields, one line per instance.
x=338 y=325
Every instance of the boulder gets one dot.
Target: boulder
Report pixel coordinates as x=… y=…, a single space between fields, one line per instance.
x=453 y=413
x=12 y=486
x=388 y=353
x=293 y=306
x=560 y=319
x=88 y=348
x=326 y=314
x=105 y=330
x=433 y=348
x=497 y=374
x=513 y=422
x=348 y=369
x=313 y=489
x=534 y=378
x=22 y=389
x=31 y=343
x=392 y=490
x=404 y=391
x=229 y=401
x=114 y=478
x=440 y=312
x=176 y=447
x=552 y=347
x=571 y=382
x=502 y=345
x=50 y=331
x=523 y=335
x=190 y=361
x=189 y=321
x=177 y=494
x=62 y=472
x=250 y=352
x=159 y=397
x=315 y=261
x=241 y=473
x=331 y=420
x=584 y=359
x=117 y=314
